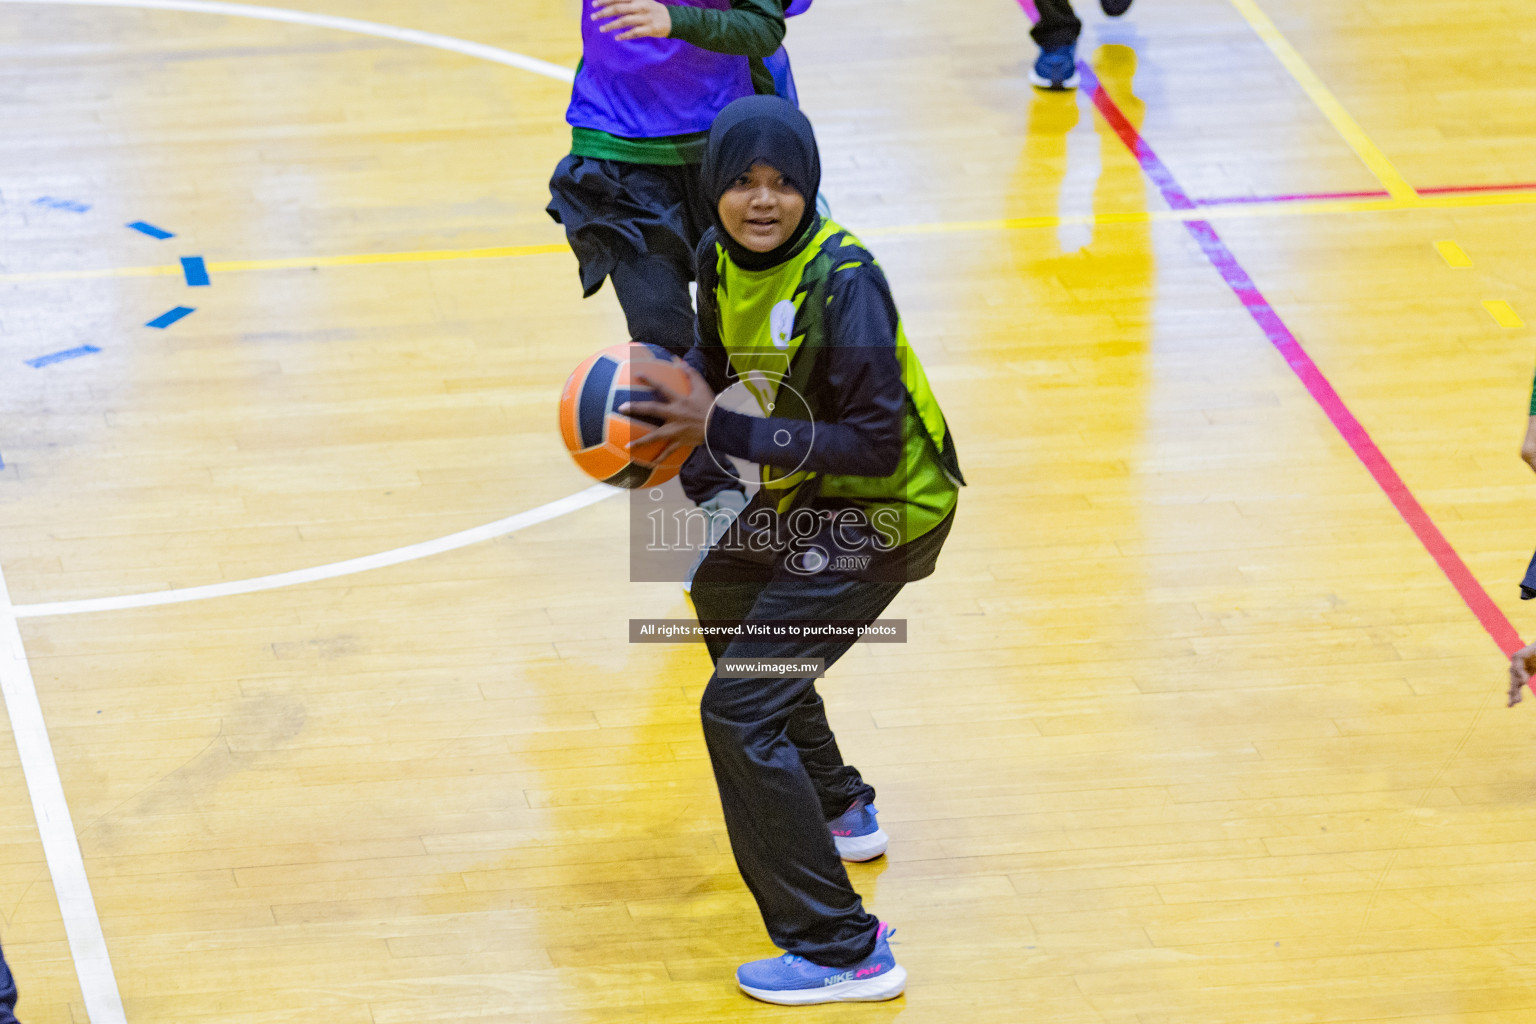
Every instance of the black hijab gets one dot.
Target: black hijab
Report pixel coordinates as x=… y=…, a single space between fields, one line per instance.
x=772 y=131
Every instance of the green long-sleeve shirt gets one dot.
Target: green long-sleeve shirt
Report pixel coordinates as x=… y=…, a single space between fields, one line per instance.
x=751 y=28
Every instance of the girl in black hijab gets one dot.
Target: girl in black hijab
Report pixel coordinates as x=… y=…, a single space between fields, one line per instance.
x=858 y=488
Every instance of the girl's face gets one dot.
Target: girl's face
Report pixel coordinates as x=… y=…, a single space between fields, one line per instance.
x=760 y=209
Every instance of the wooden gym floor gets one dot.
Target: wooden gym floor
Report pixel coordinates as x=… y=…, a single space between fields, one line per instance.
x=1195 y=725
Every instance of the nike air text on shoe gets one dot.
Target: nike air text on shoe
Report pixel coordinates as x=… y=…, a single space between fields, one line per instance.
x=857 y=834
x=1056 y=69
x=794 y=981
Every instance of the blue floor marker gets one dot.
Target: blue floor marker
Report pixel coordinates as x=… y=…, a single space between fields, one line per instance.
x=59 y=357
x=169 y=317
x=151 y=230
x=72 y=205
x=196 y=271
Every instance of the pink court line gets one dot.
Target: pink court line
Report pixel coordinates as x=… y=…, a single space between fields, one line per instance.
x=1294 y=197
x=1279 y=335
x=1449 y=189
x=1300 y=197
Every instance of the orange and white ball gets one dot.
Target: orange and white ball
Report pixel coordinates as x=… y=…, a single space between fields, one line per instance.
x=596 y=434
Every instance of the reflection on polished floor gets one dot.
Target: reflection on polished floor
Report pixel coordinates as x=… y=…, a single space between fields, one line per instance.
x=1191 y=727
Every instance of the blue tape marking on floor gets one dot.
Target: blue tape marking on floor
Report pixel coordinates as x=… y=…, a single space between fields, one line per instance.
x=59 y=357
x=151 y=230
x=169 y=317
x=195 y=270
x=72 y=205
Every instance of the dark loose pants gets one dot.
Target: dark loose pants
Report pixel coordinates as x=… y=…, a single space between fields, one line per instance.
x=776 y=762
x=653 y=292
x=7 y=992
x=1058 y=25
x=637 y=226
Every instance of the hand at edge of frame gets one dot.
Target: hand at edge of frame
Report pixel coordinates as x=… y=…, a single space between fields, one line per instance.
x=1519 y=675
x=633 y=19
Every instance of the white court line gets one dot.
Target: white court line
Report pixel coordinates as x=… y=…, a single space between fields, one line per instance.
x=98 y=985
x=464 y=538
x=61 y=847
x=368 y=28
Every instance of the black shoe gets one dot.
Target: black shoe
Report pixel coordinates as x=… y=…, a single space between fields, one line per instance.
x=1115 y=8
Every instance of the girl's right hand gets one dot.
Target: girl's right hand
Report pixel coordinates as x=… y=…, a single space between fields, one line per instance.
x=634 y=19
x=1519 y=674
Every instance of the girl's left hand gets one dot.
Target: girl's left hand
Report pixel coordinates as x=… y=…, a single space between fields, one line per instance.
x=639 y=19
x=684 y=416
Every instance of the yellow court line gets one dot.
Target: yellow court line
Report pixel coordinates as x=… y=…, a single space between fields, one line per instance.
x=361 y=259
x=1395 y=184
x=1454 y=255
x=369 y=258
x=1503 y=313
x=85 y=275
x=1247 y=211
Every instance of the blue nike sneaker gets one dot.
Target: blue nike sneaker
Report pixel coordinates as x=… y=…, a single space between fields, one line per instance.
x=791 y=980
x=1056 y=69
x=1115 y=8
x=857 y=834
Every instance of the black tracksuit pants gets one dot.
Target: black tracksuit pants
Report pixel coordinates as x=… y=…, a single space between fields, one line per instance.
x=776 y=762
x=7 y=992
x=1058 y=25
x=653 y=292
x=637 y=225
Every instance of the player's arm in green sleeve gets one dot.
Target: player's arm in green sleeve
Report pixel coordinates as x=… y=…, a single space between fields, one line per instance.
x=751 y=28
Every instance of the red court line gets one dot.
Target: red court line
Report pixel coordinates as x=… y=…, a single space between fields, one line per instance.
x=1354 y=433
x=1445 y=189
x=1296 y=197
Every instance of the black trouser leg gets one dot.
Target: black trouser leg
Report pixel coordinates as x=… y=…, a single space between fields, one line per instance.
x=774 y=814
x=1058 y=25
x=837 y=784
x=725 y=590
x=7 y=992
x=653 y=292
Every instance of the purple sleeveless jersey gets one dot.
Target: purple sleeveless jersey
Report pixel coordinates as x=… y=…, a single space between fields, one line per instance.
x=650 y=88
